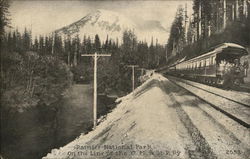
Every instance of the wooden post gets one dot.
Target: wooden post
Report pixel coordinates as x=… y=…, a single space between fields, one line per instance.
x=95 y=91
x=133 y=75
x=224 y=14
x=95 y=56
x=142 y=71
x=75 y=55
x=245 y=8
x=199 y=20
x=232 y=12
x=186 y=24
x=236 y=9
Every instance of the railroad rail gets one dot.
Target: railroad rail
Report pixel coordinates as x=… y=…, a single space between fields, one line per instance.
x=223 y=96
x=238 y=111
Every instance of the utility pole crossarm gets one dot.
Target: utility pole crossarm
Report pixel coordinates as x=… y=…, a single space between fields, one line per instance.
x=96 y=55
x=132 y=65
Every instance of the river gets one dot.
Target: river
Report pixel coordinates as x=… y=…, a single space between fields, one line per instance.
x=35 y=132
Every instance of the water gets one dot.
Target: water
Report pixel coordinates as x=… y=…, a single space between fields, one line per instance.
x=33 y=133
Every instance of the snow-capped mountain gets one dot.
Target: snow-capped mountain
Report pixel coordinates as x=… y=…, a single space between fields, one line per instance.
x=104 y=22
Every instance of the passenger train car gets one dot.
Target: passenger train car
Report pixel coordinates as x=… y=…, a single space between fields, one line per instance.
x=221 y=65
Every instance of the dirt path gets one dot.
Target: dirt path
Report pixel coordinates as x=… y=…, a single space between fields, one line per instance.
x=158 y=120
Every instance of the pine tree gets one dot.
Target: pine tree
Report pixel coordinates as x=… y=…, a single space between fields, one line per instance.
x=36 y=45
x=97 y=44
x=4 y=16
x=9 y=41
x=89 y=49
x=106 y=43
x=26 y=40
x=14 y=41
x=47 y=45
x=41 y=45
x=57 y=47
x=76 y=49
x=176 y=39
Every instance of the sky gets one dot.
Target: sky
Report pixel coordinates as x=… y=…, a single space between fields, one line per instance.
x=46 y=16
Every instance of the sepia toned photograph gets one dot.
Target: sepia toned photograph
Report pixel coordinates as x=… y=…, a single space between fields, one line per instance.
x=125 y=79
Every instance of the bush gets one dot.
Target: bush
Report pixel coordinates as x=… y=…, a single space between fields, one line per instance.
x=32 y=79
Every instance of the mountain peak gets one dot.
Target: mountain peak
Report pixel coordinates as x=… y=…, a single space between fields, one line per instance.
x=105 y=22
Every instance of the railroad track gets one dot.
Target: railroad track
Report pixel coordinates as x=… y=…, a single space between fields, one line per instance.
x=236 y=110
x=222 y=96
x=243 y=88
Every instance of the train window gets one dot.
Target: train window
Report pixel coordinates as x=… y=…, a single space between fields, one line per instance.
x=213 y=60
x=207 y=62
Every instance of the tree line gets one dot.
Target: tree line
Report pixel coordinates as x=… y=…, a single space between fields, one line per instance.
x=33 y=65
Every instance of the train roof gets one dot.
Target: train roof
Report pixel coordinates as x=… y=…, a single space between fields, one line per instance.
x=224 y=48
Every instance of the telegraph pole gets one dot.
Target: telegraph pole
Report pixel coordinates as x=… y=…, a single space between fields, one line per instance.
x=133 y=75
x=142 y=71
x=95 y=56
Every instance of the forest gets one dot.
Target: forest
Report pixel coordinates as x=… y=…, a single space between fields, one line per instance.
x=28 y=63
x=211 y=23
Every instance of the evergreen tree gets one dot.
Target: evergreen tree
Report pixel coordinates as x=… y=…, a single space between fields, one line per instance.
x=47 y=46
x=41 y=45
x=36 y=45
x=4 y=16
x=177 y=34
x=89 y=49
x=57 y=46
x=97 y=44
x=26 y=40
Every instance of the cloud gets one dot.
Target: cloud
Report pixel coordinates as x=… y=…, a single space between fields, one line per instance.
x=47 y=16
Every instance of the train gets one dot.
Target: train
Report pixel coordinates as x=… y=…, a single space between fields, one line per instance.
x=221 y=65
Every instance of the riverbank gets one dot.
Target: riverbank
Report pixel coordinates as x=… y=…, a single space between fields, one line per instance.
x=35 y=131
